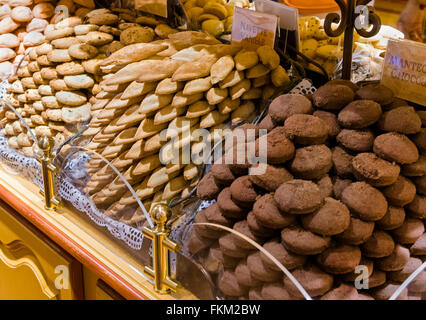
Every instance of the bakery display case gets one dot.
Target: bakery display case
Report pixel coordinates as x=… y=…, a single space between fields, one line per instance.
x=154 y=158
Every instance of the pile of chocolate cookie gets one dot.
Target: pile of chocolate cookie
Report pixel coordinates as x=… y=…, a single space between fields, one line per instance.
x=168 y=89
x=343 y=194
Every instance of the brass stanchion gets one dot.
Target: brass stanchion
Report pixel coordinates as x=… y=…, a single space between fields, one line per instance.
x=161 y=244
x=48 y=170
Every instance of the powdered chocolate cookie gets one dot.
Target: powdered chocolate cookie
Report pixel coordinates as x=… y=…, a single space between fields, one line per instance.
x=396 y=147
x=331 y=219
x=400 y=193
x=393 y=219
x=342 y=292
x=419 y=247
x=272 y=178
x=229 y=247
x=206 y=231
x=420 y=183
x=359 y=114
x=229 y=285
x=214 y=215
x=228 y=207
x=356 y=140
x=306 y=129
x=340 y=259
x=298 y=197
x=257 y=228
x=376 y=171
x=395 y=261
x=315 y=281
x=409 y=231
x=243 y=228
x=401 y=275
x=287 y=258
x=420 y=140
x=267 y=123
x=287 y=105
x=197 y=243
x=279 y=149
x=365 y=200
x=275 y=291
x=379 y=245
x=311 y=162
x=267 y=213
x=333 y=96
x=347 y=83
x=357 y=232
x=342 y=162
x=301 y=241
x=222 y=174
x=207 y=188
x=260 y=270
x=243 y=190
x=376 y=92
x=244 y=276
x=404 y=120
x=376 y=279
x=330 y=119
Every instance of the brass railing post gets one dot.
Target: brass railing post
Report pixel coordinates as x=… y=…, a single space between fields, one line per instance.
x=161 y=244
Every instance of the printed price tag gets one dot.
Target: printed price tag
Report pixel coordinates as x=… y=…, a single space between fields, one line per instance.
x=157 y=7
x=404 y=70
x=253 y=29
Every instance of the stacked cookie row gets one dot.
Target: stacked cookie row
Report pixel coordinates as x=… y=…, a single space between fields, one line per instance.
x=170 y=88
x=343 y=187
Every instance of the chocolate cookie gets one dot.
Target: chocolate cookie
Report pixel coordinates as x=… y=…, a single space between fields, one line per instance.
x=230 y=286
x=260 y=270
x=306 y=129
x=420 y=183
x=342 y=162
x=376 y=92
x=333 y=96
x=395 y=261
x=356 y=140
x=257 y=228
x=330 y=119
x=379 y=245
x=342 y=292
x=357 y=232
x=419 y=140
x=243 y=190
x=315 y=281
x=340 y=259
x=244 y=276
x=417 y=207
x=419 y=247
x=347 y=83
x=243 y=228
x=393 y=219
x=352 y=276
x=400 y=193
x=386 y=291
x=404 y=120
x=298 y=197
x=287 y=105
x=301 y=241
x=203 y=230
x=222 y=174
x=366 y=201
x=207 y=188
x=275 y=291
x=267 y=123
x=279 y=149
x=287 y=258
x=311 y=162
x=255 y=294
x=272 y=178
x=228 y=207
x=376 y=171
x=401 y=275
x=214 y=260
x=339 y=185
x=396 y=147
x=409 y=231
x=197 y=243
x=376 y=279
x=325 y=186
x=214 y=215
x=331 y=219
x=267 y=213
x=359 y=114
x=415 y=169
x=229 y=247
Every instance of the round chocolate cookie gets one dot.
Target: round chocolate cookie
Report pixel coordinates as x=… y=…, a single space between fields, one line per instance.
x=420 y=183
x=415 y=169
x=333 y=96
x=401 y=275
x=342 y=292
x=298 y=197
x=311 y=162
x=340 y=259
x=272 y=177
x=260 y=270
x=315 y=281
x=214 y=215
x=419 y=247
x=244 y=276
x=243 y=228
x=243 y=191
x=330 y=119
x=287 y=105
x=342 y=162
x=339 y=185
x=301 y=241
x=357 y=232
x=400 y=193
x=376 y=279
x=331 y=219
x=396 y=147
x=366 y=201
x=393 y=219
x=197 y=243
x=404 y=120
x=347 y=83
x=255 y=294
x=352 y=276
x=267 y=213
x=257 y=228
x=230 y=262
x=230 y=248
x=287 y=258
x=396 y=103
x=379 y=245
x=228 y=207
x=214 y=260
x=325 y=186
x=409 y=231
x=395 y=261
x=417 y=207
x=306 y=129
x=203 y=230
x=275 y=291
x=207 y=188
x=267 y=123
x=356 y=140
x=386 y=291
x=376 y=171
x=222 y=174
x=376 y=92
x=420 y=140
x=279 y=149
x=359 y=114
x=230 y=286
x=237 y=159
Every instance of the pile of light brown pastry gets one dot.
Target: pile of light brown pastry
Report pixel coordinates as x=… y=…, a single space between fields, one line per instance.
x=187 y=81
x=344 y=187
